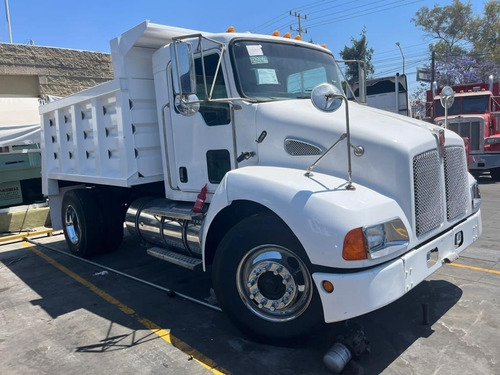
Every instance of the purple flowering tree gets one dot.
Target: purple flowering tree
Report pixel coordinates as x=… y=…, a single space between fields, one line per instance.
x=454 y=70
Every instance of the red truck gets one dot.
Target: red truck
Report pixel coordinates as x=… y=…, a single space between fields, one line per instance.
x=474 y=115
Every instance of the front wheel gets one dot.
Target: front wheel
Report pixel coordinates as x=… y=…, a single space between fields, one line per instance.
x=262 y=280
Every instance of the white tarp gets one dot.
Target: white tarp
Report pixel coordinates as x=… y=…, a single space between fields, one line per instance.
x=19 y=121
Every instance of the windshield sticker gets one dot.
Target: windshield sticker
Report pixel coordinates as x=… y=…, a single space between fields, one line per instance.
x=255 y=50
x=255 y=60
x=266 y=77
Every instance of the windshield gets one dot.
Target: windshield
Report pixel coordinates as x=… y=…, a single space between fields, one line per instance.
x=273 y=71
x=465 y=105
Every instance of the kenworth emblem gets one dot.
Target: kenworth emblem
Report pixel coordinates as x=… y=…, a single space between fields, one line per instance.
x=441 y=143
x=440 y=139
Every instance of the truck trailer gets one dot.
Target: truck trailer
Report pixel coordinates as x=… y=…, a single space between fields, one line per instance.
x=238 y=154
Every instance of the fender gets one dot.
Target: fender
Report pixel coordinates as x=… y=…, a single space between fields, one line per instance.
x=318 y=209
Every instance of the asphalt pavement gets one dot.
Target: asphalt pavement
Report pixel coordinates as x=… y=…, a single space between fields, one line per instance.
x=59 y=316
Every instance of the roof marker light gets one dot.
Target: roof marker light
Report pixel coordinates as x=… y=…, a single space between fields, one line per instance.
x=230 y=29
x=287 y=35
x=276 y=33
x=298 y=37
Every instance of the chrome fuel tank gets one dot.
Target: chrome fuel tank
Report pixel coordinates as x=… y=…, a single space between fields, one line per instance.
x=165 y=223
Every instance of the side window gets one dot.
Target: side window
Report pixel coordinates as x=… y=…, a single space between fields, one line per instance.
x=218 y=164
x=213 y=113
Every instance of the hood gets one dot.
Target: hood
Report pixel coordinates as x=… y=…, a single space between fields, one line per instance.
x=390 y=142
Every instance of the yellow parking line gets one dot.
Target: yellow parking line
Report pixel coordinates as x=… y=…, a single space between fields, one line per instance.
x=160 y=332
x=475 y=268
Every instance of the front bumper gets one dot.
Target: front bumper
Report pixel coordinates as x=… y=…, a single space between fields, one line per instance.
x=361 y=292
x=484 y=161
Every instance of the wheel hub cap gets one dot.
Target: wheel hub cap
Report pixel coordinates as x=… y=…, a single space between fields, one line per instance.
x=274 y=283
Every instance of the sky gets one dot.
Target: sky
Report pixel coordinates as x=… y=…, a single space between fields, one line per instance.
x=91 y=24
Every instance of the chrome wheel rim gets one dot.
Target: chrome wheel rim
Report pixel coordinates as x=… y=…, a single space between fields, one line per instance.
x=274 y=283
x=72 y=225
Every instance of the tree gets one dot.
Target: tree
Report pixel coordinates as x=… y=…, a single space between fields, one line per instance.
x=454 y=70
x=448 y=25
x=466 y=46
x=358 y=51
x=484 y=33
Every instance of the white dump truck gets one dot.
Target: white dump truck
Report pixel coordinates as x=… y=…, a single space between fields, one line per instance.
x=316 y=210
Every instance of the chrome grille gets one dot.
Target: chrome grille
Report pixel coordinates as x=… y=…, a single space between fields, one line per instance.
x=469 y=128
x=428 y=189
x=456 y=182
x=301 y=148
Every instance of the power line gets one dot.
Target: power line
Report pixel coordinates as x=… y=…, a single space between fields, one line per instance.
x=367 y=12
x=349 y=10
x=265 y=24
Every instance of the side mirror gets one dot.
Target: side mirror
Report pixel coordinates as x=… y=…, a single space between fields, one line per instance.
x=183 y=72
x=327 y=97
x=447 y=97
x=184 y=78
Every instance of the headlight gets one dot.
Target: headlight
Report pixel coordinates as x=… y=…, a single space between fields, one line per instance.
x=375 y=241
x=375 y=236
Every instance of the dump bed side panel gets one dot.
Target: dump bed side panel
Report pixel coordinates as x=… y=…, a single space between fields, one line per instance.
x=105 y=135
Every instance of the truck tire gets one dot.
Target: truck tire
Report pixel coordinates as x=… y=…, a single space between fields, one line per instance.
x=82 y=222
x=495 y=174
x=262 y=280
x=113 y=218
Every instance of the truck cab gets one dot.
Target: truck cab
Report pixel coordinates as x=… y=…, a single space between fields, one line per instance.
x=475 y=116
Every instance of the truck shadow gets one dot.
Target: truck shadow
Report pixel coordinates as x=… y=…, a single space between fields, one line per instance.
x=202 y=333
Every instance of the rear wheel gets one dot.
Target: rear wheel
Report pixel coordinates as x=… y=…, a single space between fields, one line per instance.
x=262 y=280
x=113 y=218
x=82 y=222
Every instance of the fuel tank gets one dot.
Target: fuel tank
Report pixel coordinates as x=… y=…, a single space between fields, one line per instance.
x=165 y=223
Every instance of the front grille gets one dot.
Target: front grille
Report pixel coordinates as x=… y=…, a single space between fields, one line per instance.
x=468 y=128
x=430 y=185
x=428 y=192
x=301 y=148
x=456 y=182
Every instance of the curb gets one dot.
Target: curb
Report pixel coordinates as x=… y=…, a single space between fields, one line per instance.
x=22 y=218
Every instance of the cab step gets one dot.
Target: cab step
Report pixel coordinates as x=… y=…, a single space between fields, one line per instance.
x=185 y=261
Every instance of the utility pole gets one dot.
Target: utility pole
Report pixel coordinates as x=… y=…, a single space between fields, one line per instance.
x=433 y=67
x=7 y=13
x=300 y=30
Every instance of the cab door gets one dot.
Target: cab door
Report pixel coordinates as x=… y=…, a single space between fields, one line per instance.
x=203 y=145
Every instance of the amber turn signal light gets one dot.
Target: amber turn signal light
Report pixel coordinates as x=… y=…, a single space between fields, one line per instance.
x=354 y=245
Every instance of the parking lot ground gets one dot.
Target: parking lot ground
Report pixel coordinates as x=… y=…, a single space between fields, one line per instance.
x=59 y=315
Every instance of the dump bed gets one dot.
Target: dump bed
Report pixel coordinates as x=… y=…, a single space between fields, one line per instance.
x=104 y=135
x=109 y=134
